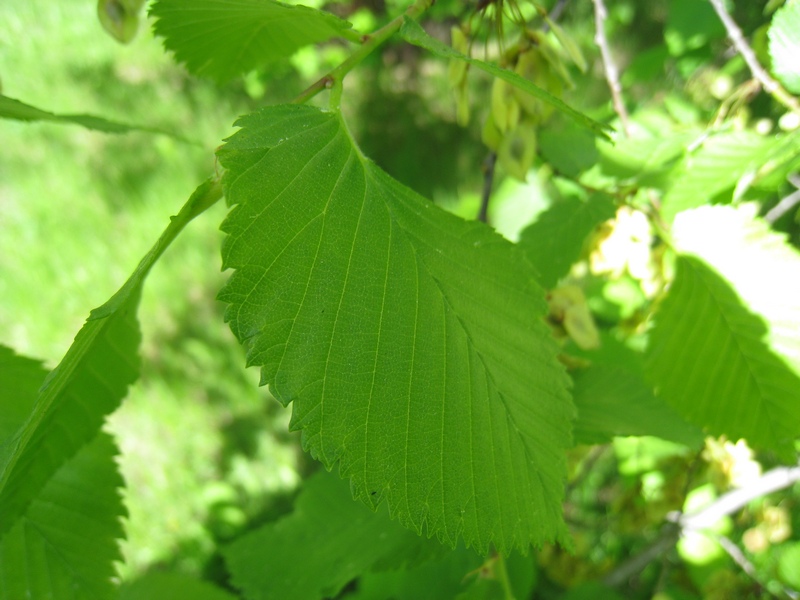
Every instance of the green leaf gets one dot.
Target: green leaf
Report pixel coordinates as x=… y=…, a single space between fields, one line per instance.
x=65 y=544
x=708 y=359
x=414 y=34
x=329 y=535
x=714 y=168
x=553 y=243
x=784 y=45
x=411 y=342
x=20 y=378
x=19 y=111
x=221 y=39
x=757 y=262
x=87 y=385
x=613 y=399
x=171 y=586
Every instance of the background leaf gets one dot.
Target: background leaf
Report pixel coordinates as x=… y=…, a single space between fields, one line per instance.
x=411 y=342
x=328 y=534
x=225 y=38
x=784 y=45
x=553 y=243
x=66 y=543
x=707 y=351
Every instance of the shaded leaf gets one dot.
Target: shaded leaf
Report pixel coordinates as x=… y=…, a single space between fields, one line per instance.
x=411 y=342
x=708 y=359
x=784 y=45
x=414 y=34
x=328 y=534
x=221 y=39
x=553 y=243
x=613 y=399
x=171 y=586
x=66 y=543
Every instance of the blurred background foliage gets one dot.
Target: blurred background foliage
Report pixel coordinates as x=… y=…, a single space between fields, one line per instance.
x=205 y=452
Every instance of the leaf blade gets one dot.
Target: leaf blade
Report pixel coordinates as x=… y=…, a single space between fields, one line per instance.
x=358 y=307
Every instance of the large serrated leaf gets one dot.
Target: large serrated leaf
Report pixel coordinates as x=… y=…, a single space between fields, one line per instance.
x=414 y=34
x=554 y=242
x=87 y=385
x=784 y=45
x=709 y=360
x=411 y=342
x=225 y=38
x=328 y=534
x=159 y=585
x=66 y=543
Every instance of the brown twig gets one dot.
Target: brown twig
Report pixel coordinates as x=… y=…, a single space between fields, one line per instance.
x=742 y=47
x=610 y=68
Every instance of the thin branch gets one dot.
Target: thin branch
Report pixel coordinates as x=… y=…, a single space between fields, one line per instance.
x=488 y=181
x=781 y=208
x=738 y=556
x=612 y=73
x=768 y=83
x=727 y=504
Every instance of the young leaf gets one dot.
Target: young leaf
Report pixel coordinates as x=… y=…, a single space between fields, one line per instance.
x=555 y=240
x=14 y=109
x=708 y=359
x=411 y=342
x=784 y=45
x=329 y=535
x=221 y=39
x=87 y=385
x=414 y=34
x=65 y=543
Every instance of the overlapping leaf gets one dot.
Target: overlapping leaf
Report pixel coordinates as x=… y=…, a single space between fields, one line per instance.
x=329 y=535
x=225 y=38
x=411 y=342
x=20 y=378
x=784 y=45
x=613 y=399
x=724 y=351
x=414 y=34
x=555 y=240
x=64 y=545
